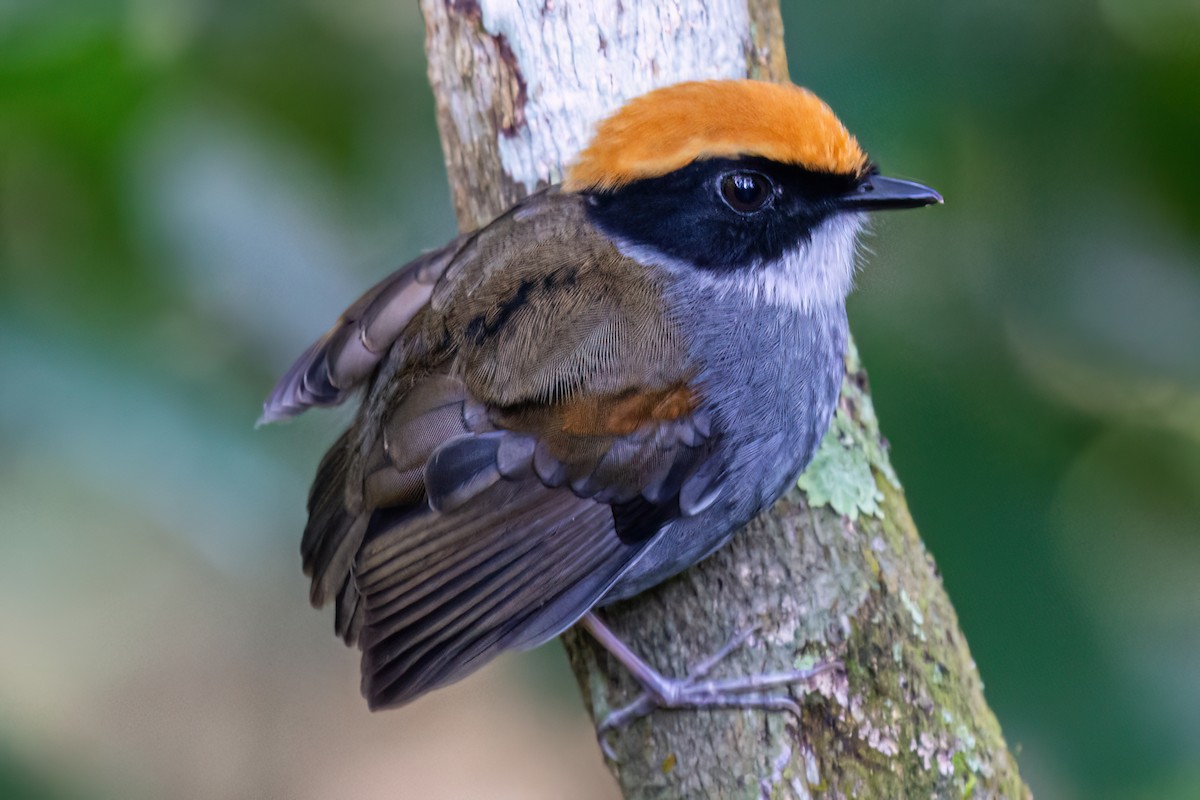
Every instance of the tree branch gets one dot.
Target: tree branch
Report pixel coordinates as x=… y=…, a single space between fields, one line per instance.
x=833 y=571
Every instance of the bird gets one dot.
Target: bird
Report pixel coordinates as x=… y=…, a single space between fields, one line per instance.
x=592 y=392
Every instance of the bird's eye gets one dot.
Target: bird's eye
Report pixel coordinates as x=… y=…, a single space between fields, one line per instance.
x=746 y=192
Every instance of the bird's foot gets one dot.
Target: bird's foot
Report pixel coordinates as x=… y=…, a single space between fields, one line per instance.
x=697 y=691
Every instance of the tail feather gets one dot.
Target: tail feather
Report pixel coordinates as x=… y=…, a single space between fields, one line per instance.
x=333 y=533
x=349 y=612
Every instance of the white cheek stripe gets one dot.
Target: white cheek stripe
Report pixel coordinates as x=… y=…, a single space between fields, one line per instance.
x=817 y=273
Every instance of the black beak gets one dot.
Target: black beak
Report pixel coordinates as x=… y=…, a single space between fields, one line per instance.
x=876 y=193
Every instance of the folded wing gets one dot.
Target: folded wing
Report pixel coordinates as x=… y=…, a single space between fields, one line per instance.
x=514 y=461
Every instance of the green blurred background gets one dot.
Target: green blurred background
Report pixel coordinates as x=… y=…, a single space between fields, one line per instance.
x=190 y=190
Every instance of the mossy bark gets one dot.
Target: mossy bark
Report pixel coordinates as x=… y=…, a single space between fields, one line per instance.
x=836 y=569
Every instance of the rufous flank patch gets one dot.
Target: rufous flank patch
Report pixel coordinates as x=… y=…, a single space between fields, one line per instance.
x=622 y=414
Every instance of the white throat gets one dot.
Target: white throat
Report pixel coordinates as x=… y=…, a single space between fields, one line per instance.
x=818 y=273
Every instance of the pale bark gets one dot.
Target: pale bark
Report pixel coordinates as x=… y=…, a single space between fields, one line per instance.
x=518 y=86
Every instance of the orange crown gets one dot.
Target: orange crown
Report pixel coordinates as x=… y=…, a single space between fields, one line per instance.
x=671 y=127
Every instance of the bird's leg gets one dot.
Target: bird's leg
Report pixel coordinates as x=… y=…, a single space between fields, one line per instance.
x=693 y=691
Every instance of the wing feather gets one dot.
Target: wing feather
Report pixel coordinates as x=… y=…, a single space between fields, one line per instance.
x=347 y=353
x=427 y=627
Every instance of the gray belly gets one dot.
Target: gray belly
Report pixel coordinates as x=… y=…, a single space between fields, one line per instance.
x=771 y=380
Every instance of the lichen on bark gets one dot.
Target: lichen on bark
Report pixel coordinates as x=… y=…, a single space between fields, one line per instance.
x=839 y=573
x=906 y=717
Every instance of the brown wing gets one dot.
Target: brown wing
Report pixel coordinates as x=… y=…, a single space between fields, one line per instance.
x=347 y=353
x=511 y=465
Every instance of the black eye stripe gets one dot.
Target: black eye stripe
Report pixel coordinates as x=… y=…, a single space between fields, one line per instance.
x=685 y=214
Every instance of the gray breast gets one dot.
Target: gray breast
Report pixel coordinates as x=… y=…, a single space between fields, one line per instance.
x=770 y=377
